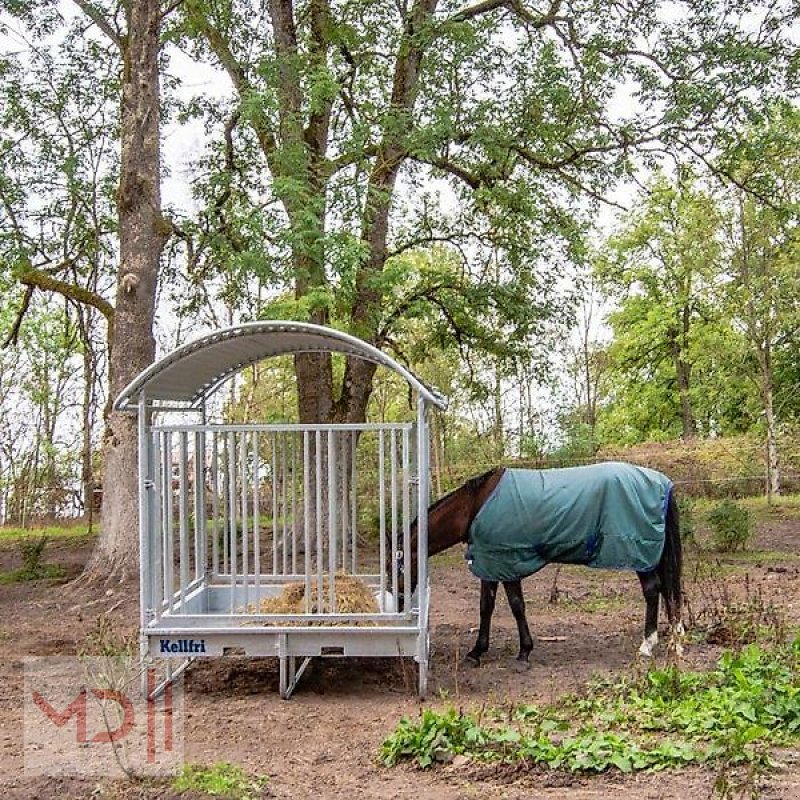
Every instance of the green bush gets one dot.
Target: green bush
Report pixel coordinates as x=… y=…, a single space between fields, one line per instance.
x=731 y=527
x=33 y=557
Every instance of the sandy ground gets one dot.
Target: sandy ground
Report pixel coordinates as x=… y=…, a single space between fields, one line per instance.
x=323 y=743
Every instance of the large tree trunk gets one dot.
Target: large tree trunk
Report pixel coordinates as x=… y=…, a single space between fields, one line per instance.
x=142 y=236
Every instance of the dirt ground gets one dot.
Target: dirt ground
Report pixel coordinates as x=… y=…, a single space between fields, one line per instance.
x=323 y=742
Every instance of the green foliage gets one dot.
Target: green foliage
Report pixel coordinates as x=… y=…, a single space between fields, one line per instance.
x=686 y=514
x=666 y=718
x=221 y=780
x=33 y=567
x=731 y=526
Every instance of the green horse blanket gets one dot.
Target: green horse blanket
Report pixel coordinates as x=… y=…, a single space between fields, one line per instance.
x=608 y=516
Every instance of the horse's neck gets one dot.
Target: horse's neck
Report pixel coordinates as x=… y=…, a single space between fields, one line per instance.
x=449 y=524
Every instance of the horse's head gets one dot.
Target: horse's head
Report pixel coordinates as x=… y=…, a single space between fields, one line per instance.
x=449 y=519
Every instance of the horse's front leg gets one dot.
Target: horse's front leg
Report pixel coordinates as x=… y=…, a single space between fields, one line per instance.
x=488 y=596
x=517 y=604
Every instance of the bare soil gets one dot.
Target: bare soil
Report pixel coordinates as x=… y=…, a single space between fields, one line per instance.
x=323 y=743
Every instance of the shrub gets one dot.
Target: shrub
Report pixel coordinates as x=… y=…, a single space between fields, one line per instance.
x=731 y=527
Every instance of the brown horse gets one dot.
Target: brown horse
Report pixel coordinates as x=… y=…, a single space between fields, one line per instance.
x=450 y=520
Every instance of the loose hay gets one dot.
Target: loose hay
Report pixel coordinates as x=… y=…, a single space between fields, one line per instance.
x=353 y=596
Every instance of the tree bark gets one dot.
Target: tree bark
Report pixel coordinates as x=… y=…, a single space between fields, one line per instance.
x=142 y=234
x=768 y=400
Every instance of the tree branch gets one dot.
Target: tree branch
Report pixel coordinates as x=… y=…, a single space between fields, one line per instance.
x=36 y=278
x=99 y=19
x=13 y=335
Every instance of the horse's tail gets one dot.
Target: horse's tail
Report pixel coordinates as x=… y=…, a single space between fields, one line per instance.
x=672 y=560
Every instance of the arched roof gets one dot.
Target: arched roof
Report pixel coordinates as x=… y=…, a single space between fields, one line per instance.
x=192 y=372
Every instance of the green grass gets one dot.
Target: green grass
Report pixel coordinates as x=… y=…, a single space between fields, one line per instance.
x=77 y=531
x=221 y=780
x=22 y=575
x=595 y=602
x=761 y=556
x=733 y=714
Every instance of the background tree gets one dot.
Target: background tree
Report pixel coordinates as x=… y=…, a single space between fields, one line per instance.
x=662 y=265
x=132 y=32
x=764 y=285
x=351 y=106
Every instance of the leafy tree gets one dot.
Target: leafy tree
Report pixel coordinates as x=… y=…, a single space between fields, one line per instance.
x=131 y=44
x=662 y=265
x=764 y=286
x=344 y=114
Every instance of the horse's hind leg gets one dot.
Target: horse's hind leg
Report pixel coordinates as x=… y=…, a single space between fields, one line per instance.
x=651 y=588
x=488 y=596
x=517 y=604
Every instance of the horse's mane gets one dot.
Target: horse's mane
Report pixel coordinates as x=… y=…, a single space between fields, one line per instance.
x=471 y=486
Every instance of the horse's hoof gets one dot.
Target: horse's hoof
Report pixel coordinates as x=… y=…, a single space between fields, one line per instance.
x=473 y=660
x=522 y=665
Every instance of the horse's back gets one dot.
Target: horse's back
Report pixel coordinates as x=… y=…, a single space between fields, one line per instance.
x=608 y=515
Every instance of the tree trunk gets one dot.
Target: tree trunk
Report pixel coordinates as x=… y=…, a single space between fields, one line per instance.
x=768 y=399
x=142 y=236
x=682 y=373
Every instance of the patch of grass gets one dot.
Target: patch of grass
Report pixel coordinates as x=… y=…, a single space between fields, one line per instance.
x=21 y=575
x=11 y=535
x=33 y=567
x=763 y=556
x=594 y=602
x=220 y=780
x=664 y=718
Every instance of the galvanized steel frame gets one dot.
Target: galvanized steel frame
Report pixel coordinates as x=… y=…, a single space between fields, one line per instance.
x=209 y=577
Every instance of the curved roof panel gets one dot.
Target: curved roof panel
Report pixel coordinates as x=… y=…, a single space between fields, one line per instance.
x=193 y=371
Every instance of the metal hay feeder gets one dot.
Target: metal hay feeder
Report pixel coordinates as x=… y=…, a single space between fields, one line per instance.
x=229 y=514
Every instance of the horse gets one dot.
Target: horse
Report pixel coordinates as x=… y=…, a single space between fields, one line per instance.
x=591 y=502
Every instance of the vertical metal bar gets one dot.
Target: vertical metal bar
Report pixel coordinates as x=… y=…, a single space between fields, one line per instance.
x=274 y=478
x=332 y=518
x=199 y=507
x=423 y=490
x=169 y=537
x=256 y=517
x=353 y=502
x=393 y=457
x=343 y=488
x=407 y=561
x=145 y=601
x=423 y=497
x=156 y=525
x=294 y=504
x=307 y=516
x=183 y=512
x=243 y=472
x=284 y=530
x=204 y=564
x=318 y=516
x=215 y=505
x=226 y=509
x=232 y=529
x=382 y=511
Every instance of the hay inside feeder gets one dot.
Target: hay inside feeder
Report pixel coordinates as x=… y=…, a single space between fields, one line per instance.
x=353 y=596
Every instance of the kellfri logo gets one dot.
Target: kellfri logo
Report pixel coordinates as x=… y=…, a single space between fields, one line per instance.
x=89 y=716
x=168 y=646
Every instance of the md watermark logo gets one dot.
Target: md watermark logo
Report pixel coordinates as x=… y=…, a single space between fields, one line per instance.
x=88 y=716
